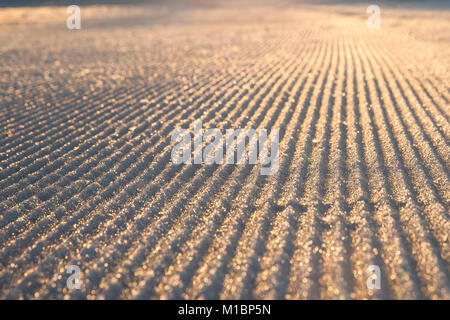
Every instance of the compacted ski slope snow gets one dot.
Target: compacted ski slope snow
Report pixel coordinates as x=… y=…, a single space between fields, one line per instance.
x=86 y=176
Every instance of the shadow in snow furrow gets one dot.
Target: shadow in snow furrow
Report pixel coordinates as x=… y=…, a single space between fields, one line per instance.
x=315 y=182
x=212 y=288
x=416 y=109
x=96 y=133
x=261 y=114
x=429 y=169
x=87 y=155
x=416 y=148
x=359 y=216
x=367 y=154
x=431 y=99
x=438 y=96
x=434 y=81
x=165 y=161
x=125 y=119
x=81 y=124
x=418 y=223
x=336 y=256
x=273 y=187
x=30 y=147
x=270 y=280
x=240 y=96
x=57 y=115
x=174 y=275
x=167 y=248
x=76 y=119
x=303 y=281
x=422 y=109
x=64 y=170
x=179 y=273
x=413 y=226
x=387 y=196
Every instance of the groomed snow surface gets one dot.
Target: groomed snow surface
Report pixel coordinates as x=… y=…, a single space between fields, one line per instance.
x=86 y=177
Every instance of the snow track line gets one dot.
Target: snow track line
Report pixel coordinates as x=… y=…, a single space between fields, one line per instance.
x=268 y=104
x=408 y=210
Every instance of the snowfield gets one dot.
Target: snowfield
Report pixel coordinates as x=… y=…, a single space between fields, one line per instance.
x=86 y=176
